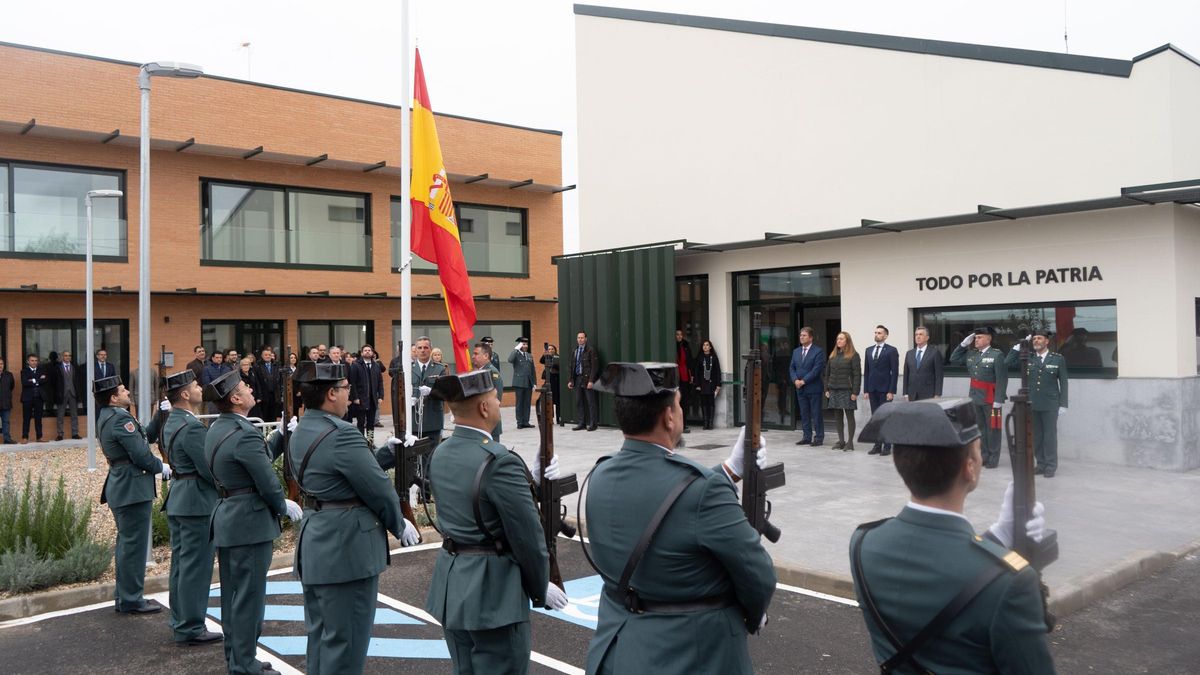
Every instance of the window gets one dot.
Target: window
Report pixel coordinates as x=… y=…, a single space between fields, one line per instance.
x=350 y=334
x=46 y=336
x=494 y=240
x=43 y=212
x=244 y=336
x=505 y=334
x=284 y=227
x=1085 y=333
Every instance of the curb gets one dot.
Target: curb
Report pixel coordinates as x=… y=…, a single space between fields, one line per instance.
x=1070 y=598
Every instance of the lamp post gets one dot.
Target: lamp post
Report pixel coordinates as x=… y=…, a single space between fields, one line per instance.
x=156 y=69
x=90 y=328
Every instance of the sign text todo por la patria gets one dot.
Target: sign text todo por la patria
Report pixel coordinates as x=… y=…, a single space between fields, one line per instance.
x=1050 y=275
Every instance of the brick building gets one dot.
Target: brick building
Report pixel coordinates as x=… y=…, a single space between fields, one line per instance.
x=272 y=216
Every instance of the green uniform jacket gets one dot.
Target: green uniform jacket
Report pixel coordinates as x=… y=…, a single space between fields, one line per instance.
x=988 y=365
x=498 y=382
x=121 y=437
x=337 y=545
x=184 y=435
x=704 y=547
x=244 y=461
x=479 y=592
x=432 y=417
x=917 y=562
x=1047 y=380
x=522 y=363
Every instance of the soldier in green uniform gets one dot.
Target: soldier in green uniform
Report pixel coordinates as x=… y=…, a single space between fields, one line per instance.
x=989 y=379
x=524 y=380
x=245 y=520
x=189 y=506
x=705 y=581
x=936 y=597
x=427 y=419
x=1047 y=377
x=342 y=546
x=493 y=561
x=128 y=490
x=482 y=359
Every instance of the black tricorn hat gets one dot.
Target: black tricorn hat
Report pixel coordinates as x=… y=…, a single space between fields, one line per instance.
x=948 y=423
x=522 y=339
x=638 y=379
x=313 y=372
x=180 y=380
x=461 y=387
x=985 y=330
x=1044 y=332
x=222 y=386
x=486 y=339
x=107 y=384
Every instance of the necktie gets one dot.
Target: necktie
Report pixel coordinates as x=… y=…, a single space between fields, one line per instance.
x=579 y=361
x=877 y=349
x=804 y=354
x=919 y=352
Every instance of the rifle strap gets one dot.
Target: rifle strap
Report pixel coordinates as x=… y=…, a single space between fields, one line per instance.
x=309 y=453
x=488 y=539
x=212 y=459
x=623 y=588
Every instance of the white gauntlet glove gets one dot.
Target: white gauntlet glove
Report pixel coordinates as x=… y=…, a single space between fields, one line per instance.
x=294 y=512
x=555 y=597
x=1002 y=529
x=736 y=463
x=410 y=537
x=968 y=340
x=408 y=441
x=292 y=424
x=166 y=472
x=552 y=471
x=164 y=405
x=424 y=390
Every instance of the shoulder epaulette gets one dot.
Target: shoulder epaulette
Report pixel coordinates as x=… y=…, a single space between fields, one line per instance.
x=1011 y=560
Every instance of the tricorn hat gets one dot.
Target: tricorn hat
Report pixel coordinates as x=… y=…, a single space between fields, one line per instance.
x=313 y=372
x=638 y=379
x=222 y=386
x=486 y=339
x=985 y=330
x=107 y=384
x=461 y=387
x=522 y=339
x=183 y=378
x=947 y=423
x=1041 y=330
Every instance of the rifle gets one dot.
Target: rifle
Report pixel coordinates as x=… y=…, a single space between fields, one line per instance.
x=551 y=491
x=755 y=481
x=160 y=416
x=287 y=394
x=408 y=459
x=1019 y=432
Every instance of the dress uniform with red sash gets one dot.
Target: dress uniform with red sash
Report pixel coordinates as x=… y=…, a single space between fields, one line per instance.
x=989 y=381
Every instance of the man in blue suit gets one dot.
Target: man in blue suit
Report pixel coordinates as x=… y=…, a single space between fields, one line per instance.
x=881 y=369
x=808 y=362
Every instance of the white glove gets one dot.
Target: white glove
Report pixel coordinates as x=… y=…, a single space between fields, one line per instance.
x=735 y=461
x=552 y=471
x=1003 y=527
x=166 y=472
x=1062 y=411
x=1016 y=346
x=997 y=405
x=424 y=390
x=408 y=441
x=555 y=597
x=1035 y=529
x=164 y=405
x=410 y=536
x=763 y=622
x=967 y=341
x=292 y=424
x=294 y=512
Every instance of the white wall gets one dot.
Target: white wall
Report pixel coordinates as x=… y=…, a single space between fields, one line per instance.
x=716 y=136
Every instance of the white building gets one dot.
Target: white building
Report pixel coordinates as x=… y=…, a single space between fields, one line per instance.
x=842 y=180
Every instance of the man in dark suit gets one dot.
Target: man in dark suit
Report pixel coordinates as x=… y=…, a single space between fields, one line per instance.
x=102 y=367
x=585 y=368
x=922 y=368
x=270 y=381
x=7 y=384
x=34 y=392
x=66 y=394
x=881 y=370
x=808 y=363
x=197 y=364
x=366 y=378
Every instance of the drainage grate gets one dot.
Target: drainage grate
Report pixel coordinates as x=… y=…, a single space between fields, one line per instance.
x=706 y=446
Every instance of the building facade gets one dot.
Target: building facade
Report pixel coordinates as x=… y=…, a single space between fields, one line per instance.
x=274 y=216
x=847 y=180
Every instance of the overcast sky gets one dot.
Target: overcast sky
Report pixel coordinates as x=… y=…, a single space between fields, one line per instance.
x=514 y=61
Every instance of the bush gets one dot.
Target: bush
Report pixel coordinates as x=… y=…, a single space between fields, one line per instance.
x=25 y=569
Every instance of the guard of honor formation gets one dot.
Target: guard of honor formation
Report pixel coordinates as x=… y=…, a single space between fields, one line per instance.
x=686 y=577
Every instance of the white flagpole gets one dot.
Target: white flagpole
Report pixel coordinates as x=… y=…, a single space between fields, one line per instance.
x=406 y=87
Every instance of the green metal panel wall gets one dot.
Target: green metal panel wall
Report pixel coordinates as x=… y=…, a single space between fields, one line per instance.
x=625 y=301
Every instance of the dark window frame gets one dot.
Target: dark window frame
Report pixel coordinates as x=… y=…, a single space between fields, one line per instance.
x=368 y=323
x=524 y=212
x=122 y=206
x=206 y=183
x=239 y=332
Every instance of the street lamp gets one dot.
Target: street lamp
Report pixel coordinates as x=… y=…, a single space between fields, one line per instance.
x=90 y=329
x=155 y=69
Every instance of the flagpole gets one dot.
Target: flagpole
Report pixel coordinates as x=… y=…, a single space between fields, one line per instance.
x=406 y=88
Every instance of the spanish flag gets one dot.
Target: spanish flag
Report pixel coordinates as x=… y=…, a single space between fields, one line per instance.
x=434 y=228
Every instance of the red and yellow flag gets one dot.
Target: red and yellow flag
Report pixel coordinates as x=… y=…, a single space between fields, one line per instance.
x=434 y=228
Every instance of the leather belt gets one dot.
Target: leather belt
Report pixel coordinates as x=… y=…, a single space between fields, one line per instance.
x=638 y=605
x=225 y=494
x=449 y=546
x=319 y=505
x=185 y=476
x=119 y=462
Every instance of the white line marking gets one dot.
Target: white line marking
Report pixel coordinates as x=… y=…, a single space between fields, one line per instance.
x=54 y=615
x=554 y=663
x=816 y=594
x=408 y=609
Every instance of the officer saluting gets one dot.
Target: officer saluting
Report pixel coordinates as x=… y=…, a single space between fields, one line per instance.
x=705 y=578
x=937 y=597
x=246 y=518
x=989 y=380
x=1047 y=376
x=189 y=506
x=493 y=561
x=342 y=546
x=128 y=490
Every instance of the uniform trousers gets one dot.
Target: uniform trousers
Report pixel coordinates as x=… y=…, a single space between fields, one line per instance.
x=133 y=540
x=191 y=575
x=338 y=619
x=243 y=603
x=497 y=651
x=1045 y=439
x=524 y=399
x=989 y=443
